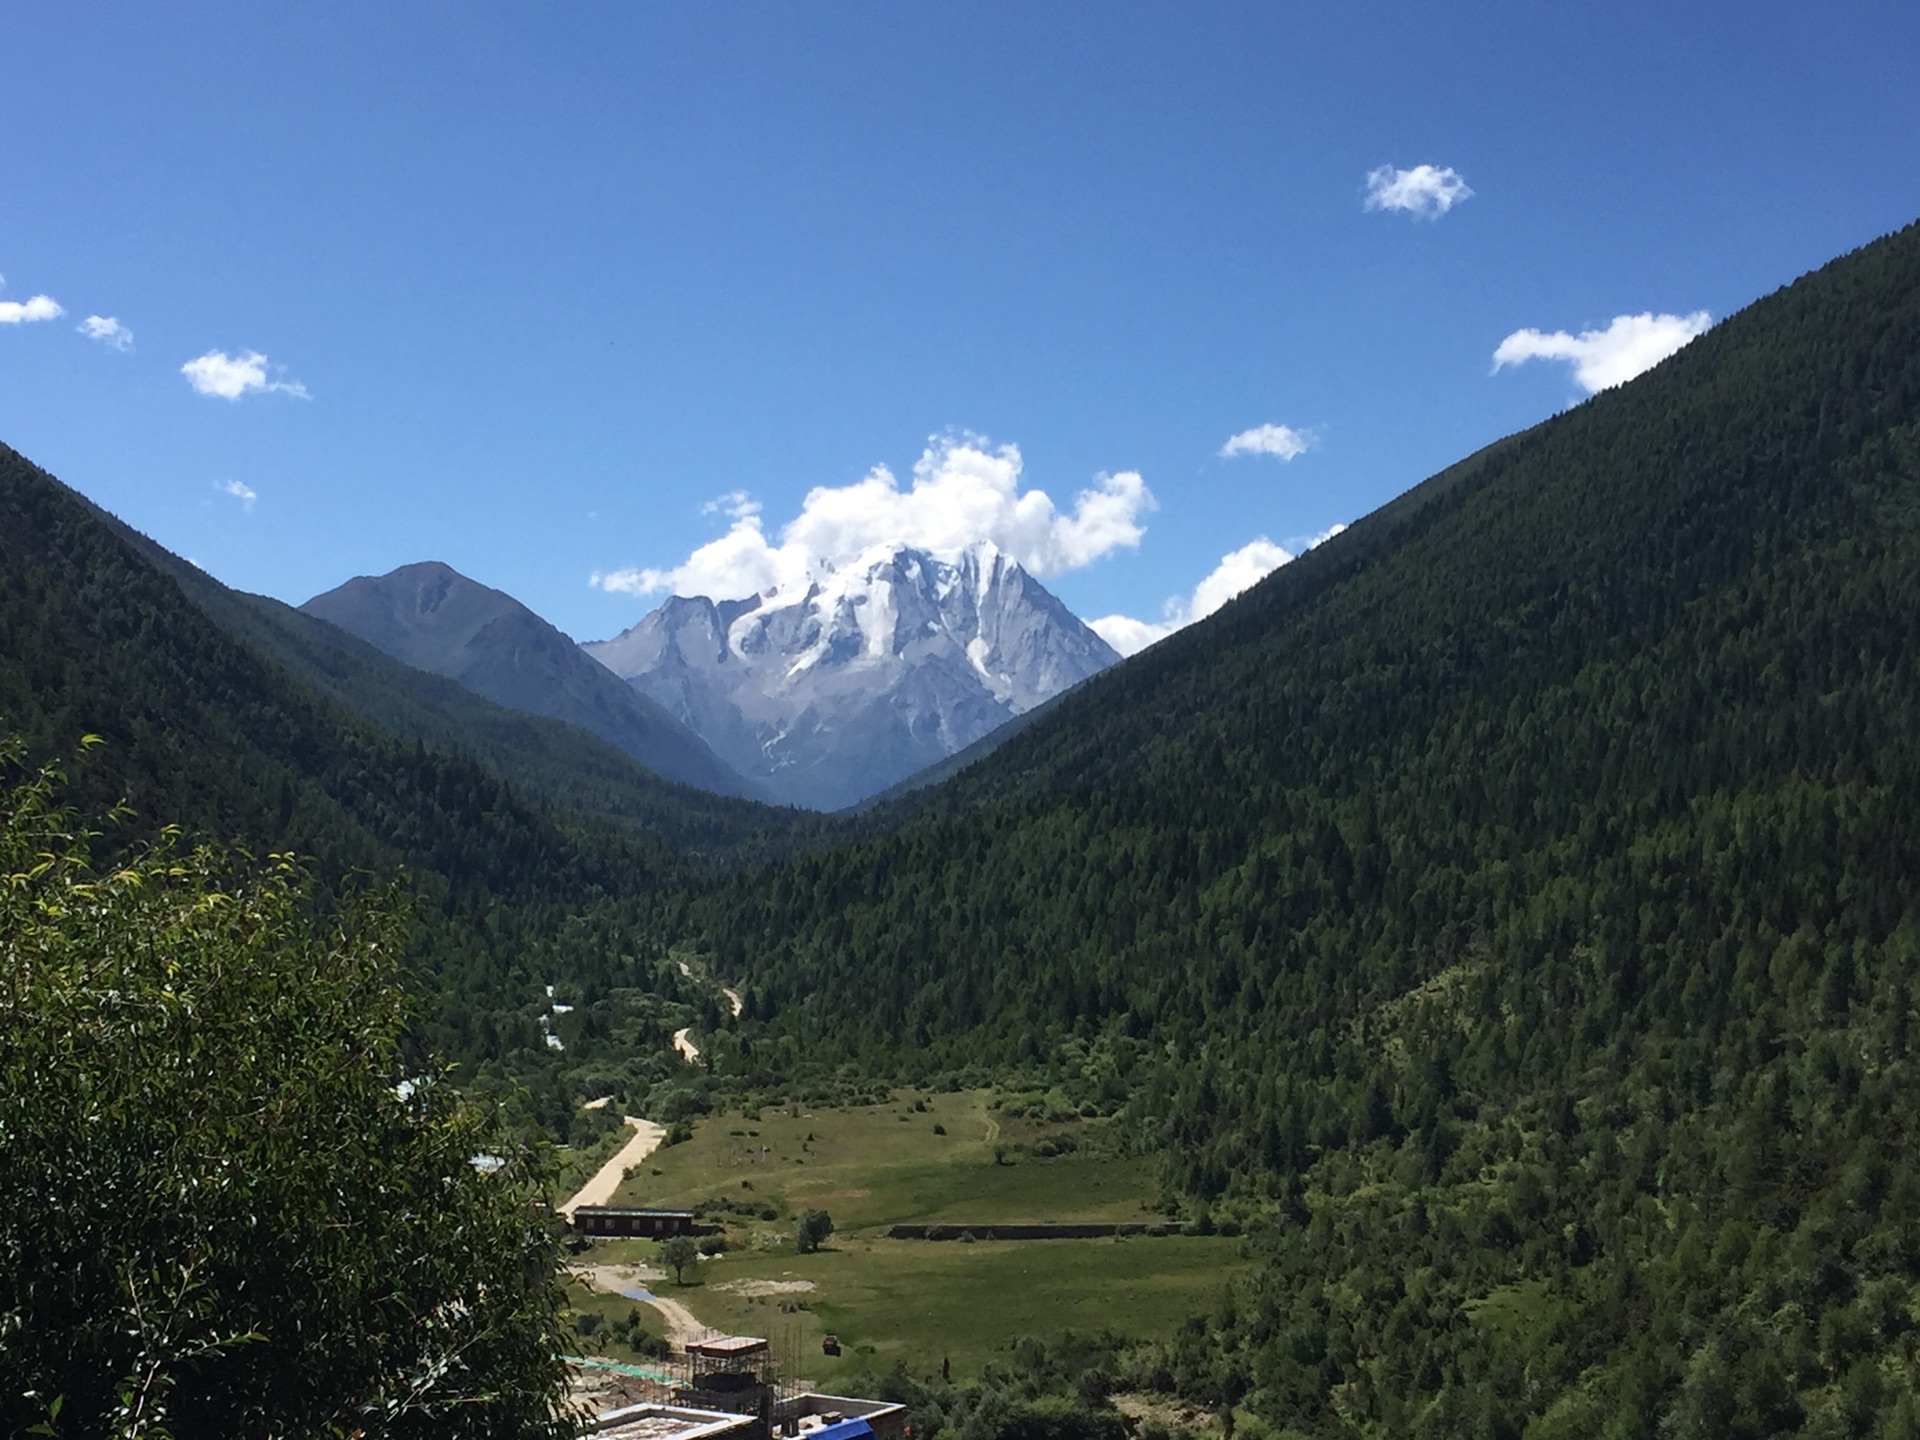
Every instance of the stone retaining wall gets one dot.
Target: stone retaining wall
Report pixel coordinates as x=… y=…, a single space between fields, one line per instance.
x=1000 y=1230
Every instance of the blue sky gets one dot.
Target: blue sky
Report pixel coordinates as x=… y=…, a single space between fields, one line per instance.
x=534 y=290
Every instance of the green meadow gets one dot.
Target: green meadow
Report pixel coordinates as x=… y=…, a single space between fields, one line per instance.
x=879 y=1165
x=919 y=1302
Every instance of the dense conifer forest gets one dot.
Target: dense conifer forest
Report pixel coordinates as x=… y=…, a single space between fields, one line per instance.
x=279 y=732
x=1513 y=900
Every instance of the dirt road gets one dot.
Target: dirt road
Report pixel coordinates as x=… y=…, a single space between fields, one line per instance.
x=637 y=1282
x=682 y=1324
x=733 y=996
x=599 y=1190
x=689 y=1051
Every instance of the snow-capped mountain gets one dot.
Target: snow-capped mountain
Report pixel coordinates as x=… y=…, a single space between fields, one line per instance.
x=880 y=669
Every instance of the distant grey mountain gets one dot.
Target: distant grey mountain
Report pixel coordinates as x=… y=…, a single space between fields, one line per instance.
x=433 y=618
x=879 y=670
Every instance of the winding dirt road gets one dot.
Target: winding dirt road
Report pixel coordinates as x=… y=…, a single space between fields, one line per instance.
x=637 y=1282
x=682 y=1324
x=599 y=1190
x=734 y=1000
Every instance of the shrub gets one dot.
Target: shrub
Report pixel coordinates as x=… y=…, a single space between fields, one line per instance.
x=229 y=1199
x=651 y=1347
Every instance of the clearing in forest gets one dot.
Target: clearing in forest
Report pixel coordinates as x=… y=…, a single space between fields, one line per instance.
x=921 y=1302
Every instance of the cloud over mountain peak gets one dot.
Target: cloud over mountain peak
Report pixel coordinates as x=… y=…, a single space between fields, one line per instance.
x=965 y=491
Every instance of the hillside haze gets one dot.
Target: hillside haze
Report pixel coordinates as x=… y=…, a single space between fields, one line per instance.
x=208 y=728
x=880 y=669
x=433 y=618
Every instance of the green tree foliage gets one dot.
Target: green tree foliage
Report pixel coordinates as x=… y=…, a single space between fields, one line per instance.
x=810 y=1230
x=678 y=1254
x=1513 y=900
x=1039 y=1391
x=228 y=1205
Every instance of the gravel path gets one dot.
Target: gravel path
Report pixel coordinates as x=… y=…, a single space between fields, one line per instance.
x=636 y=1282
x=734 y=998
x=682 y=1324
x=599 y=1190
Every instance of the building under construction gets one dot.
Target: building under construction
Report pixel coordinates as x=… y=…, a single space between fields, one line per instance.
x=729 y=1372
x=749 y=1377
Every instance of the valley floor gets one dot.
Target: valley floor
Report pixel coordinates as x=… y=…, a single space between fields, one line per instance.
x=948 y=1158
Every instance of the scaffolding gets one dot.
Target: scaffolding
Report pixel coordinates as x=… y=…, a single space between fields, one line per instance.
x=725 y=1366
x=752 y=1376
x=742 y=1374
x=746 y=1374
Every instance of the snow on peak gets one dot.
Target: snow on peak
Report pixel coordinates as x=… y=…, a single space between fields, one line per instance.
x=887 y=663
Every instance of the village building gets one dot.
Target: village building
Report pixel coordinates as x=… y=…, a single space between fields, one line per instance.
x=651 y=1421
x=731 y=1387
x=813 y=1416
x=626 y=1220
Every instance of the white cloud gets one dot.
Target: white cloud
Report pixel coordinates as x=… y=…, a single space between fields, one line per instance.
x=1423 y=190
x=108 y=331
x=1128 y=635
x=1603 y=358
x=735 y=505
x=1308 y=542
x=1238 y=570
x=239 y=490
x=1281 y=441
x=964 y=491
x=231 y=376
x=37 y=307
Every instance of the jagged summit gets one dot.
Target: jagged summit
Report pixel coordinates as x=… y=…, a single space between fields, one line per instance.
x=880 y=668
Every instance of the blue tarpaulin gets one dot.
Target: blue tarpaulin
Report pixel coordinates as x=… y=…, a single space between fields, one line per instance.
x=844 y=1430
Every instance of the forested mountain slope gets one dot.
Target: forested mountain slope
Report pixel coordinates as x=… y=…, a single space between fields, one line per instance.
x=556 y=763
x=213 y=734
x=1517 y=896
x=433 y=618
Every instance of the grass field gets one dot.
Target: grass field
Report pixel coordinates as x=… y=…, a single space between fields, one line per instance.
x=920 y=1302
x=878 y=1165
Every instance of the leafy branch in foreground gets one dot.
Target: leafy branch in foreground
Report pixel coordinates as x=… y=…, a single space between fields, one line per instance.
x=224 y=1208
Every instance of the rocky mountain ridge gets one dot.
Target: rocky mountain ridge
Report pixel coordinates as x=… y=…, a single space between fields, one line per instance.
x=433 y=618
x=881 y=668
